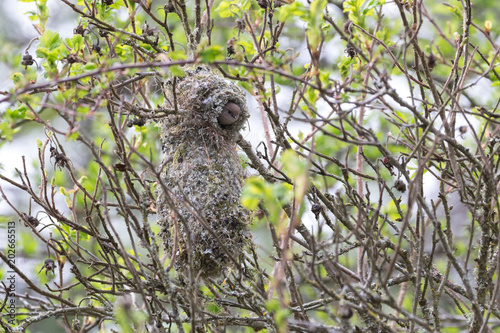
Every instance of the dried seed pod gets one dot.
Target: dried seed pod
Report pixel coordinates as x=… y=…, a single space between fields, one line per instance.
x=347 y=27
x=400 y=186
x=49 y=265
x=79 y=30
x=387 y=163
x=351 y=52
x=61 y=161
x=316 y=209
x=27 y=60
x=203 y=173
x=462 y=129
x=240 y=25
x=33 y=221
x=262 y=3
x=76 y=325
x=136 y=121
x=230 y=47
x=169 y=8
x=431 y=61
x=120 y=167
x=97 y=49
x=103 y=33
x=345 y=312
x=72 y=58
x=30 y=220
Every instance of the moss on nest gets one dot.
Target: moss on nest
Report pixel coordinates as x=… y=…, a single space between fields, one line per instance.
x=203 y=172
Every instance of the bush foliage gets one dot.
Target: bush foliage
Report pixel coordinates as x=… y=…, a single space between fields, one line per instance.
x=373 y=181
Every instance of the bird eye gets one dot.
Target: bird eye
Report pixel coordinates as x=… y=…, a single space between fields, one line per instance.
x=230 y=114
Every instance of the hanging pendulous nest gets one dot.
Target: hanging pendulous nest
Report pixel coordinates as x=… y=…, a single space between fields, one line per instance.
x=203 y=174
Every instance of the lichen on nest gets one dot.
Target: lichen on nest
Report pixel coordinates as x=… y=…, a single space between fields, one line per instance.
x=203 y=173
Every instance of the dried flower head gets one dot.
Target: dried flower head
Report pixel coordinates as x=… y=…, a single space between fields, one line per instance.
x=400 y=186
x=316 y=209
x=49 y=265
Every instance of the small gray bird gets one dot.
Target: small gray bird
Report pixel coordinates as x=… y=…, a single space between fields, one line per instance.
x=229 y=115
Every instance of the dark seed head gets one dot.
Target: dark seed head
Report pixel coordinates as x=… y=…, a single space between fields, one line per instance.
x=49 y=265
x=76 y=325
x=27 y=60
x=230 y=46
x=344 y=312
x=79 y=30
x=120 y=167
x=33 y=221
x=400 y=185
x=431 y=61
x=240 y=24
x=169 y=8
x=103 y=33
x=262 y=4
x=316 y=209
x=351 y=52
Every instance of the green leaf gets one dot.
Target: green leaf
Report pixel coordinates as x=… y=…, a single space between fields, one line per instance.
x=42 y=52
x=177 y=71
x=316 y=10
x=67 y=197
x=123 y=317
x=82 y=179
x=293 y=165
x=50 y=40
x=359 y=9
x=293 y=9
x=272 y=305
x=255 y=189
x=73 y=136
x=16 y=77
x=232 y=8
x=17 y=113
x=117 y=5
x=213 y=308
x=211 y=54
x=76 y=42
x=223 y=9
x=177 y=55
x=400 y=115
x=90 y=66
x=6 y=131
x=344 y=66
x=27 y=243
x=272 y=197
